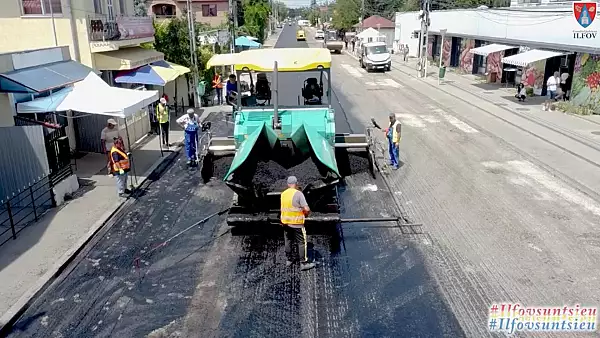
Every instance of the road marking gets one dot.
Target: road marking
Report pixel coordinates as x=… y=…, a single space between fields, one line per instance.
x=456 y=122
x=384 y=83
x=411 y=120
x=430 y=119
x=352 y=71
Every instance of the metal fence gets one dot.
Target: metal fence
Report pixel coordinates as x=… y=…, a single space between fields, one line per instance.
x=24 y=208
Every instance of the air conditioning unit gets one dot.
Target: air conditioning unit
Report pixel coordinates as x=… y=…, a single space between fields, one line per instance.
x=564 y=62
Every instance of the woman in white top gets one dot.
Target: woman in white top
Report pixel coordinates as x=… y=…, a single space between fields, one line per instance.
x=551 y=85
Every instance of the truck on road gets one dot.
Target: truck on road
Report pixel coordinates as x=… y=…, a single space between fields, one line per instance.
x=333 y=42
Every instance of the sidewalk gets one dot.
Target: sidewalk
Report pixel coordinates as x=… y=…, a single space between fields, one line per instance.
x=272 y=39
x=34 y=259
x=501 y=96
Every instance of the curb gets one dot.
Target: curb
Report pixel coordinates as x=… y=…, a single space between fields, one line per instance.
x=13 y=314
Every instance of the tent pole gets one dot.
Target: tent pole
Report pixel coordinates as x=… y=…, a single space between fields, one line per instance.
x=131 y=159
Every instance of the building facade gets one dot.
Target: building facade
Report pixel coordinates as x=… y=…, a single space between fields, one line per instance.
x=525 y=43
x=209 y=12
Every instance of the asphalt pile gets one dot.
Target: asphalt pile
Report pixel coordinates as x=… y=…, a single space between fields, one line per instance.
x=271 y=176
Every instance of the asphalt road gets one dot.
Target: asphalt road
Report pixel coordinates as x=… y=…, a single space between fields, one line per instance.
x=155 y=273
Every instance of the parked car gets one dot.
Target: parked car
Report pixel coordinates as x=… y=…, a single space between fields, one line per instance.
x=375 y=55
x=320 y=35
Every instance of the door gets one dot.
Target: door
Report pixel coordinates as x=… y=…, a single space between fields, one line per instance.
x=455 y=52
x=477 y=59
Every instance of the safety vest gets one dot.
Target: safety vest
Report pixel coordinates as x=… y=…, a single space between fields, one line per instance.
x=217 y=83
x=393 y=133
x=123 y=163
x=289 y=213
x=164 y=116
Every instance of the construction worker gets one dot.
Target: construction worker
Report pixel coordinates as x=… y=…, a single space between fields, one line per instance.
x=190 y=122
x=293 y=211
x=120 y=166
x=394 y=134
x=217 y=84
x=162 y=114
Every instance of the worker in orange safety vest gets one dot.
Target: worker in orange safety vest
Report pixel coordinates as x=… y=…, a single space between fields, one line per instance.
x=217 y=84
x=120 y=166
x=293 y=212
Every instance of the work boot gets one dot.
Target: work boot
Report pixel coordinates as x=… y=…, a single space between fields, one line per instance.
x=307 y=266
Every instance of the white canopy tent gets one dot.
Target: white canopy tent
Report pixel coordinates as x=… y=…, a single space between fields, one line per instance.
x=489 y=49
x=94 y=96
x=368 y=33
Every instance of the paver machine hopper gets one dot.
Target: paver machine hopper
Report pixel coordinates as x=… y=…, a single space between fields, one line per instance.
x=284 y=138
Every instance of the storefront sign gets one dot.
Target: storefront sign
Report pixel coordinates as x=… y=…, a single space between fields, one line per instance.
x=584 y=13
x=135 y=27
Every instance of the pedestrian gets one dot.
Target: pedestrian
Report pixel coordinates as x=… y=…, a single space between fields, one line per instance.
x=120 y=166
x=521 y=92
x=162 y=114
x=190 y=122
x=563 y=85
x=551 y=84
x=231 y=89
x=107 y=136
x=217 y=84
x=294 y=209
x=353 y=43
x=406 y=50
x=394 y=134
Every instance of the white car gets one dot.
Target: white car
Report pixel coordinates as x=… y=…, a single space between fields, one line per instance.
x=320 y=34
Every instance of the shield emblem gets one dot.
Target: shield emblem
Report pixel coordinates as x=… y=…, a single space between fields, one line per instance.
x=584 y=12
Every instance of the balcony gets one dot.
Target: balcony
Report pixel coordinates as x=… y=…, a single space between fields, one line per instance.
x=109 y=34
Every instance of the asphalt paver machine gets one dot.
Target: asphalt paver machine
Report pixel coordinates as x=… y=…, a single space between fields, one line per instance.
x=271 y=142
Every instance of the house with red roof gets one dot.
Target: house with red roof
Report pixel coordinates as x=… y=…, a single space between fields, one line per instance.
x=384 y=26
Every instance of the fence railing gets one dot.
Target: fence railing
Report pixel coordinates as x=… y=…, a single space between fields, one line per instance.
x=24 y=208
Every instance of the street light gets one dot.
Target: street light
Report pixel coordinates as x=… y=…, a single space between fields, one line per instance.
x=443 y=32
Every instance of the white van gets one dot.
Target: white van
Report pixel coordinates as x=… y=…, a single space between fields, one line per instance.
x=375 y=55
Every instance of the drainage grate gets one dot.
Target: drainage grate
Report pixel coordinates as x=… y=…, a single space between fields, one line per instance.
x=523 y=109
x=596 y=132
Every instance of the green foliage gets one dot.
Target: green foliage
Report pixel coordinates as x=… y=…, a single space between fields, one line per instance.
x=256 y=17
x=172 y=39
x=139 y=8
x=345 y=14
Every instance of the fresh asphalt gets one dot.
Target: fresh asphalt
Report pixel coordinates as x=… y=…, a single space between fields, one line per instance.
x=156 y=272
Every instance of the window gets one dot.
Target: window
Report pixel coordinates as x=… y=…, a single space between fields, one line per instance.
x=98 y=6
x=209 y=10
x=122 y=7
x=41 y=7
x=110 y=10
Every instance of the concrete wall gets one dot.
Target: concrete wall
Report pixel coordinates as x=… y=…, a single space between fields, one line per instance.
x=542 y=28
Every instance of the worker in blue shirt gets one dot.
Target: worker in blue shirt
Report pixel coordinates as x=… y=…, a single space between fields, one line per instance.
x=190 y=122
x=231 y=89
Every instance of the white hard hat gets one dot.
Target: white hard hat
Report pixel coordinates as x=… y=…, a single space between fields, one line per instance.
x=162 y=100
x=190 y=111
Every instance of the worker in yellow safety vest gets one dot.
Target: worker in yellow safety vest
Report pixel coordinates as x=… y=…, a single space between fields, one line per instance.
x=293 y=211
x=120 y=166
x=394 y=134
x=162 y=114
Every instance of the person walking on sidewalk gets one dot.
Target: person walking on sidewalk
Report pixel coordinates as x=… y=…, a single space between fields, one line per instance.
x=162 y=114
x=406 y=50
x=120 y=166
x=217 y=84
x=107 y=137
x=190 y=122
x=394 y=134
x=293 y=211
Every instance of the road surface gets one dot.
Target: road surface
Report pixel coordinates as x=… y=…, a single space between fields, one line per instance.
x=139 y=278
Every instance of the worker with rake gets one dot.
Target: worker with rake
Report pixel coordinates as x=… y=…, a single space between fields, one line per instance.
x=394 y=134
x=190 y=123
x=293 y=211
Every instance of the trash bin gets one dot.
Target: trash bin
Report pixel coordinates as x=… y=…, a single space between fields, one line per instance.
x=442 y=72
x=201 y=88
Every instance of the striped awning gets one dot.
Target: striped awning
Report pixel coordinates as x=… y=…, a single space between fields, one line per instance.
x=489 y=49
x=524 y=59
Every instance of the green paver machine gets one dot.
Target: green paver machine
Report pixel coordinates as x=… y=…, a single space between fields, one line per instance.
x=287 y=135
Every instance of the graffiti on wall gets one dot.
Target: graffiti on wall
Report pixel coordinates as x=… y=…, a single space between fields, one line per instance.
x=494 y=64
x=533 y=76
x=466 y=57
x=585 y=89
x=446 y=52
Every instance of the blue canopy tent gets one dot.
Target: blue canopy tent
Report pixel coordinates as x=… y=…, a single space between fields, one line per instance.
x=246 y=43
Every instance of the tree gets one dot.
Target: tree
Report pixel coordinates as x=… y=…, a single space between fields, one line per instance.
x=256 y=18
x=139 y=8
x=345 y=14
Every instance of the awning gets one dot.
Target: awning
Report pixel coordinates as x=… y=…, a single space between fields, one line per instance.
x=489 y=49
x=94 y=96
x=159 y=73
x=44 y=104
x=524 y=59
x=43 y=78
x=127 y=58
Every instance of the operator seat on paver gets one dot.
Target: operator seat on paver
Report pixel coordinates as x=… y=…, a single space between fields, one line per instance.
x=263 y=89
x=312 y=91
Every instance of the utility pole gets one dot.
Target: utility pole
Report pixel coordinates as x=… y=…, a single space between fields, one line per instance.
x=193 y=53
x=424 y=16
x=54 y=25
x=362 y=11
